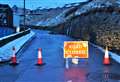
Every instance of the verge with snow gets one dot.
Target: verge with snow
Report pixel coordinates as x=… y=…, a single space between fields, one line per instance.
x=6 y=50
x=114 y=56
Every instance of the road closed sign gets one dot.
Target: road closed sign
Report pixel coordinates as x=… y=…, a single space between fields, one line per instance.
x=76 y=49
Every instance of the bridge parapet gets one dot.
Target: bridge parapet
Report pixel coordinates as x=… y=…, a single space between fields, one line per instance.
x=7 y=39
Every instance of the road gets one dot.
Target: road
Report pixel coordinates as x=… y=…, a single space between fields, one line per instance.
x=54 y=70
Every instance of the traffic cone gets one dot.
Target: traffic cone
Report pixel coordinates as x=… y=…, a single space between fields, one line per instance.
x=40 y=61
x=14 y=59
x=106 y=57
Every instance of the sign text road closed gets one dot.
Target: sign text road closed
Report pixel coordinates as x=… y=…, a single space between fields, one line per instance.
x=76 y=49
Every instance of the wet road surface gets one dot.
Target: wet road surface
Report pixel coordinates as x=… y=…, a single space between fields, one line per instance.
x=54 y=70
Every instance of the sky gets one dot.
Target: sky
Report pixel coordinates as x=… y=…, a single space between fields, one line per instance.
x=32 y=4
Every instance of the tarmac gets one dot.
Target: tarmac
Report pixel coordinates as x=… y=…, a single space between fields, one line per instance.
x=54 y=69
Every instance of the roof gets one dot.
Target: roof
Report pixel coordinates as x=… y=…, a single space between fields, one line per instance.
x=4 y=7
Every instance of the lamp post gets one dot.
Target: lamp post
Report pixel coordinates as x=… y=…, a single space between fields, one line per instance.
x=24 y=15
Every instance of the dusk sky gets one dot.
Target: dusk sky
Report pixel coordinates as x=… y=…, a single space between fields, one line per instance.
x=32 y=4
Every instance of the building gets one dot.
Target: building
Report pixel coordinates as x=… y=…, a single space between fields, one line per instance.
x=6 y=16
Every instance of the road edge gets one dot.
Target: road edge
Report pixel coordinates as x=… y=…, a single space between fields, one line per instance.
x=114 y=56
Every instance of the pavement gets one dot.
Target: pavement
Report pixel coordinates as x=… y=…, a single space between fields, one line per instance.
x=54 y=70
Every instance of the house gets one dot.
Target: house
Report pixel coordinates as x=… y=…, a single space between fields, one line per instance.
x=6 y=16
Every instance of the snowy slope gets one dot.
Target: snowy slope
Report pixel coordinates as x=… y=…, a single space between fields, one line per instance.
x=81 y=10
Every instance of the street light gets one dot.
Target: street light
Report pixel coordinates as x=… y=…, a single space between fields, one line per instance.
x=24 y=14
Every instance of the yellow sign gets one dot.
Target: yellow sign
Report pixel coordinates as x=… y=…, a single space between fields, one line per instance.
x=76 y=49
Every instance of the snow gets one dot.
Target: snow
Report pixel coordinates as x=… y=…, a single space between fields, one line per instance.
x=114 y=56
x=69 y=5
x=6 y=50
x=53 y=21
x=92 y=5
x=61 y=17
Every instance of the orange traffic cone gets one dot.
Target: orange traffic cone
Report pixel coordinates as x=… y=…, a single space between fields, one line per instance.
x=13 y=59
x=106 y=57
x=40 y=61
